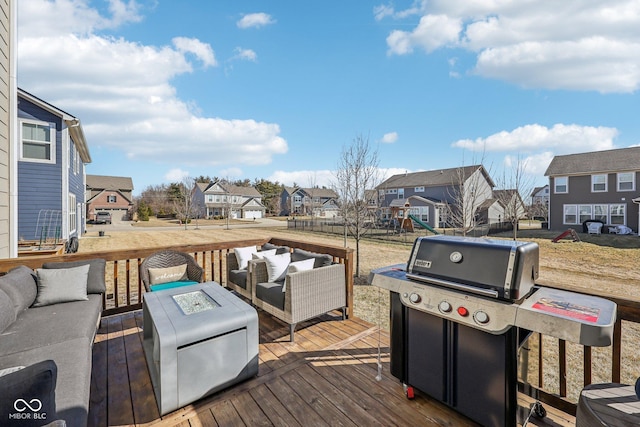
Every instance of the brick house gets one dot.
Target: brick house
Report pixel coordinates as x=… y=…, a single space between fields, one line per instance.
x=113 y=194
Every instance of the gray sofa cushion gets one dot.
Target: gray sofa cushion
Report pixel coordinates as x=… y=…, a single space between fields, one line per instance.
x=35 y=381
x=69 y=321
x=279 y=249
x=61 y=285
x=271 y=293
x=20 y=285
x=73 y=361
x=239 y=277
x=321 y=260
x=7 y=313
x=95 y=283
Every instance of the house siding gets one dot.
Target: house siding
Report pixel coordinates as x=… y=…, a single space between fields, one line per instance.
x=76 y=187
x=580 y=194
x=40 y=184
x=5 y=129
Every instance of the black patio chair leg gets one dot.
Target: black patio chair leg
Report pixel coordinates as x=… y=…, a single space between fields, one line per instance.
x=344 y=313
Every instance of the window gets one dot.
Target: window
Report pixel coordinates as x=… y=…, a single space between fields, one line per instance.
x=38 y=142
x=419 y=189
x=598 y=183
x=72 y=213
x=617 y=214
x=381 y=193
x=209 y=198
x=626 y=181
x=584 y=212
x=111 y=199
x=392 y=191
x=601 y=212
x=401 y=193
x=561 y=184
x=570 y=214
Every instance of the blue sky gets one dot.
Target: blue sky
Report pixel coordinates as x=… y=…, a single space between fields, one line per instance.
x=275 y=90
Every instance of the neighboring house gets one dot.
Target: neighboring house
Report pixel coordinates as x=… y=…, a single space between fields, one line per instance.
x=8 y=131
x=216 y=198
x=540 y=196
x=113 y=194
x=596 y=185
x=513 y=205
x=320 y=202
x=52 y=156
x=430 y=193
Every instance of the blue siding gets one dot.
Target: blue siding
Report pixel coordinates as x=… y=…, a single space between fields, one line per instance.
x=76 y=186
x=39 y=184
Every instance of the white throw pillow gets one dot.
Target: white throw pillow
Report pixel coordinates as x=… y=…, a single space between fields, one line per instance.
x=262 y=254
x=61 y=285
x=296 y=266
x=277 y=266
x=244 y=255
x=176 y=273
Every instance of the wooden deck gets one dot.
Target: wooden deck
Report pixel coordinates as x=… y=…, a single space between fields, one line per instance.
x=326 y=378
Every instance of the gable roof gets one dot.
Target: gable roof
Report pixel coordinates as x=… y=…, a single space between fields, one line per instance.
x=102 y=182
x=323 y=193
x=621 y=159
x=434 y=178
x=73 y=123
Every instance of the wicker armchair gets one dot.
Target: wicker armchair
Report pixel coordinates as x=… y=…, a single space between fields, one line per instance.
x=307 y=294
x=168 y=258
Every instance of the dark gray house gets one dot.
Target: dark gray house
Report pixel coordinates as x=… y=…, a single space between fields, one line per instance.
x=315 y=201
x=51 y=179
x=599 y=185
x=430 y=192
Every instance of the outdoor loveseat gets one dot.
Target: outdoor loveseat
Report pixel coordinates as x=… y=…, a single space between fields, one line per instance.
x=240 y=263
x=306 y=286
x=48 y=322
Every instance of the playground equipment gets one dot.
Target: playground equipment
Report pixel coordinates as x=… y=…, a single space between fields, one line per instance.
x=570 y=232
x=402 y=216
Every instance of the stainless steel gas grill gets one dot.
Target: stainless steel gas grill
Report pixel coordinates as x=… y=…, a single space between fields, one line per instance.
x=460 y=310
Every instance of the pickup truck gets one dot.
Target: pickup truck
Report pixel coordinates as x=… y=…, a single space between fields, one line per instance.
x=102 y=218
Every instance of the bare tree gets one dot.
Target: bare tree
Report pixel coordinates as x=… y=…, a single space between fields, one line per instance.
x=356 y=173
x=183 y=202
x=513 y=184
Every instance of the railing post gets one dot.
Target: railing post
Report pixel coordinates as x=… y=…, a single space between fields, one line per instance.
x=616 y=363
x=348 y=271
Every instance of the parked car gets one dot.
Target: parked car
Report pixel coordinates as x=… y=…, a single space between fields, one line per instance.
x=102 y=218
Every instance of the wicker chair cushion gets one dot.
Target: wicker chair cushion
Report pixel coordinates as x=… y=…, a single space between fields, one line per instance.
x=262 y=254
x=239 y=277
x=294 y=267
x=176 y=273
x=321 y=260
x=279 y=249
x=277 y=266
x=271 y=293
x=171 y=285
x=244 y=255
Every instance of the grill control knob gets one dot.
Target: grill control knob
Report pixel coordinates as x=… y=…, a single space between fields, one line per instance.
x=481 y=317
x=415 y=298
x=445 y=307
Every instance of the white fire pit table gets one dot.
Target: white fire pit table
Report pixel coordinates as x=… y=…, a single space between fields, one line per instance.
x=198 y=339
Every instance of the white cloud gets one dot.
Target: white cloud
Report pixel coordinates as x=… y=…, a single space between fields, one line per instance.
x=534 y=165
x=202 y=51
x=573 y=45
x=176 y=175
x=304 y=178
x=246 y=54
x=255 y=20
x=561 y=138
x=389 y=138
x=122 y=90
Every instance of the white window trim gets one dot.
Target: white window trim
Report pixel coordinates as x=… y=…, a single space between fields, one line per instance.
x=624 y=213
x=633 y=181
x=52 y=142
x=418 y=189
x=555 y=185
x=564 y=214
x=593 y=183
x=73 y=219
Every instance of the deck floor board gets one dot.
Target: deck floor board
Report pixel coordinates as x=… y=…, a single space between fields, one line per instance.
x=326 y=377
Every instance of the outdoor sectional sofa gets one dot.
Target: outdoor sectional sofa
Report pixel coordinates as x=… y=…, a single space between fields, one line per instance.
x=47 y=330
